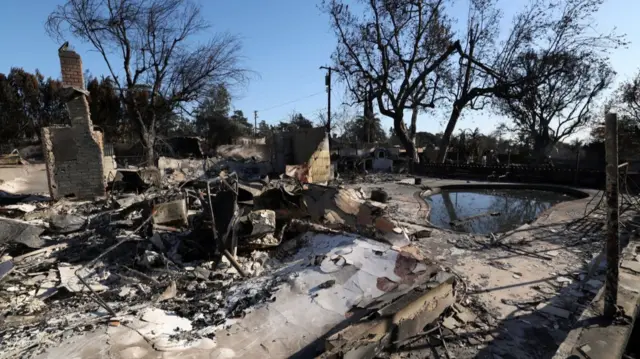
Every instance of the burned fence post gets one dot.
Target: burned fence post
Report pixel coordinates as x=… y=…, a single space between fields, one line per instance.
x=576 y=177
x=612 y=247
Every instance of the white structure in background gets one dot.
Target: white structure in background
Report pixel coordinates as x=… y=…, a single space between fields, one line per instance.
x=381 y=160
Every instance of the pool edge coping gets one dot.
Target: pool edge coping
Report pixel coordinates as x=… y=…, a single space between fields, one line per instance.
x=430 y=191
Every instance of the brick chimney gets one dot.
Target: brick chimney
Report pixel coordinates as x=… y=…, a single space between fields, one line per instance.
x=71 y=65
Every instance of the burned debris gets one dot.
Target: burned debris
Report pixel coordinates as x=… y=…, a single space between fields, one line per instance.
x=183 y=258
x=225 y=254
x=189 y=251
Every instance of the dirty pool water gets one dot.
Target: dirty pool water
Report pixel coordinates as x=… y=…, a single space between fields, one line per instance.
x=489 y=211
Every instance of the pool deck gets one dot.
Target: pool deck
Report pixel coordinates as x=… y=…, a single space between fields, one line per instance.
x=529 y=288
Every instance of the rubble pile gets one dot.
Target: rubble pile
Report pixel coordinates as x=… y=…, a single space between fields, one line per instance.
x=196 y=246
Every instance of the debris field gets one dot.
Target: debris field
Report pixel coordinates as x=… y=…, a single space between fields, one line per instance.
x=180 y=261
x=216 y=261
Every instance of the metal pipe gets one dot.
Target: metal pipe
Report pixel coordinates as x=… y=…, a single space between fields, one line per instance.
x=216 y=237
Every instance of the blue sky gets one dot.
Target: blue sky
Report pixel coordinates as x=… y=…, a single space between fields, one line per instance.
x=285 y=42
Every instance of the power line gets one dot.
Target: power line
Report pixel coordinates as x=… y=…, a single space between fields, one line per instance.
x=293 y=101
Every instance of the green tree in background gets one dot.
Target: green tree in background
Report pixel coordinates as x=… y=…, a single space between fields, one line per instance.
x=28 y=102
x=242 y=122
x=264 y=130
x=106 y=109
x=364 y=130
x=213 y=119
x=296 y=121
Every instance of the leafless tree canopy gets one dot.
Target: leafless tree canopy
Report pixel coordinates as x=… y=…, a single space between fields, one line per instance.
x=399 y=53
x=393 y=53
x=554 y=108
x=628 y=98
x=547 y=27
x=469 y=82
x=561 y=105
x=397 y=49
x=148 y=48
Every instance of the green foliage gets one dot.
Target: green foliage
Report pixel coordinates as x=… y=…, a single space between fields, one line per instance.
x=213 y=119
x=264 y=130
x=474 y=143
x=296 y=121
x=242 y=122
x=628 y=136
x=106 y=109
x=364 y=130
x=28 y=102
x=427 y=139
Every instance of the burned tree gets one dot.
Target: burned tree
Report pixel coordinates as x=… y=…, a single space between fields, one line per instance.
x=471 y=83
x=148 y=48
x=561 y=105
x=396 y=49
x=548 y=26
x=564 y=74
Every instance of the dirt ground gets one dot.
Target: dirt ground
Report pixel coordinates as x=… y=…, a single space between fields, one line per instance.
x=31 y=179
x=526 y=289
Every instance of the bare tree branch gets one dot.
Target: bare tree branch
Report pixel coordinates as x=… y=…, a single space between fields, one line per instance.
x=393 y=54
x=148 y=48
x=561 y=105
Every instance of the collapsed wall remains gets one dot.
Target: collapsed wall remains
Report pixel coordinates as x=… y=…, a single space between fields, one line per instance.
x=303 y=154
x=74 y=154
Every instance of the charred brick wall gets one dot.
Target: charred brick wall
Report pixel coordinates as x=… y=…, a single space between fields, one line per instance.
x=304 y=152
x=74 y=154
x=71 y=65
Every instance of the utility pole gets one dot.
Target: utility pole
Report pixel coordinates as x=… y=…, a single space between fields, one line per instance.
x=327 y=83
x=612 y=247
x=255 y=125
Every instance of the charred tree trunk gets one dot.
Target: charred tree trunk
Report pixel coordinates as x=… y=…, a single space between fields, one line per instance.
x=412 y=128
x=149 y=152
x=403 y=136
x=541 y=149
x=368 y=117
x=460 y=102
x=448 y=132
x=146 y=134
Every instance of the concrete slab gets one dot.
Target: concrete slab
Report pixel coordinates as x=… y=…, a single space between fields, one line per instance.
x=508 y=277
x=604 y=339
